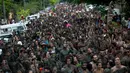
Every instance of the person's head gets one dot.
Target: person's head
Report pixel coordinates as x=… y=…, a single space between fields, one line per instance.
x=99 y=65
x=95 y=58
x=89 y=50
x=119 y=54
x=102 y=53
x=20 y=71
x=30 y=71
x=47 y=55
x=68 y=61
x=54 y=70
x=4 y=62
x=108 y=65
x=36 y=42
x=47 y=70
x=117 y=61
x=84 y=66
x=128 y=52
x=75 y=59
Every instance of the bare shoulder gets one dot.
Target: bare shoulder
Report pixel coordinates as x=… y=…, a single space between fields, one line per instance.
x=94 y=70
x=123 y=66
x=102 y=69
x=64 y=66
x=113 y=69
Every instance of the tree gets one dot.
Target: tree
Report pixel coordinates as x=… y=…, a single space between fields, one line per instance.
x=32 y=6
x=53 y=2
x=23 y=12
x=1 y=7
x=127 y=9
x=10 y=6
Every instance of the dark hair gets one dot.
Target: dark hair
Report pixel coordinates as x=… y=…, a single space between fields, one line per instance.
x=89 y=66
x=67 y=59
x=48 y=68
x=111 y=63
x=98 y=63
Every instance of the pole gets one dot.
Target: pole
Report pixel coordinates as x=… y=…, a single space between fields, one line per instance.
x=44 y=2
x=41 y=4
x=24 y=3
x=4 y=12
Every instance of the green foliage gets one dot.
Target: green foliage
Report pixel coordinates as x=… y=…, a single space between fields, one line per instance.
x=53 y=2
x=127 y=10
x=9 y=6
x=1 y=9
x=33 y=6
x=74 y=1
x=16 y=7
x=102 y=9
x=24 y=12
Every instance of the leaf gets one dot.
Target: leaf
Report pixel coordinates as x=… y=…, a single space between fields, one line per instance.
x=53 y=2
x=24 y=12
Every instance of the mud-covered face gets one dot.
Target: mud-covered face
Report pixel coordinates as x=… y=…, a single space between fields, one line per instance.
x=89 y=50
x=68 y=61
x=128 y=52
x=99 y=65
x=75 y=59
x=117 y=61
x=95 y=58
x=108 y=65
x=47 y=71
x=84 y=66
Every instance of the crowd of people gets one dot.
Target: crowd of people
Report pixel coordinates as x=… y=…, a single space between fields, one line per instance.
x=68 y=39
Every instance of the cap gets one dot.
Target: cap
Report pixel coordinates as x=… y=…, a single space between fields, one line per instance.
x=19 y=43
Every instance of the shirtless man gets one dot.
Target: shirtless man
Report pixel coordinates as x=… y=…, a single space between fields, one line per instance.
x=118 y=68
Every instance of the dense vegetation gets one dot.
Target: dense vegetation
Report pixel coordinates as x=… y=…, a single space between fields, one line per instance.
x=24 y=7
x=19 y=6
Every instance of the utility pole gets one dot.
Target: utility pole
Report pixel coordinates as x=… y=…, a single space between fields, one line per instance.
x=24 y=3
x=41 y=4
x=44 y=3
x=4 y=12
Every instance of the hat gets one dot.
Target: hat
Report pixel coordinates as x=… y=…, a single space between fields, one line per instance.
x=19 y=43
x=65 y=21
